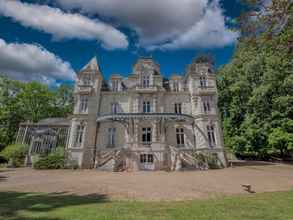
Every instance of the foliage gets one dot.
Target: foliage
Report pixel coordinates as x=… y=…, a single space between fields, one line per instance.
x=15 y=154
x=64 y=206
x=54 y=160
x=207 y=160
x=30 y=102
x=280 y=140
x=256 y=87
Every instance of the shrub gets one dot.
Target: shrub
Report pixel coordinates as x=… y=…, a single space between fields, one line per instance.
x=54 y=160
x=15 y=154
x=213 y=161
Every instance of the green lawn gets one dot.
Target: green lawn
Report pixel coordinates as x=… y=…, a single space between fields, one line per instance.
x=31 y=206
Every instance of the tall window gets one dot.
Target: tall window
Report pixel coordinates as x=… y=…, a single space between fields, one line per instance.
x=114 y=107
x=206 y=106
x=115 y=85
x=211 y=135
x=146 y=107
x=180 y=137
x=146 y=135
x=111 y=137
x=178 y=108
x=146 y=81
x=79 y=134
x=203 y=81
x=146 y=158
x=176 y=86
x=83 y=104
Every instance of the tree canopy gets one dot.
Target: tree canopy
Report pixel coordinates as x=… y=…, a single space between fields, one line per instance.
x=256 y=87
x=32 y=102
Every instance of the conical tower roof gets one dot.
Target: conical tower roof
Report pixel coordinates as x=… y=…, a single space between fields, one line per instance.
x=92 y=65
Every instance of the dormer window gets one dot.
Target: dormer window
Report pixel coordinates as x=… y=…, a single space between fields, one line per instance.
x=146 y=81
x=115 y=85
x=86 y=80
x=176 y=86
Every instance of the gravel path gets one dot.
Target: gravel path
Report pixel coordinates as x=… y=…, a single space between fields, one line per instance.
x=150 y=185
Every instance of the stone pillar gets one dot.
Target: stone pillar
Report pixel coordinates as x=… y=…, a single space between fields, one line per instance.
x=154 y=104
x=154 y=132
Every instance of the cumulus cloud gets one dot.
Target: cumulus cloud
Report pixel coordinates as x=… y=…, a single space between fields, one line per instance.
x=164 y=24
x=27 y=62
x=209 y=32
x=63 y=25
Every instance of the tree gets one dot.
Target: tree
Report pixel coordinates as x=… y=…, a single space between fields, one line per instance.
x=280 y=140
x=256 y=87
x=32 y=101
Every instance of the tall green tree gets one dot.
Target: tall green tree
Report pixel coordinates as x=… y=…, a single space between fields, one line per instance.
x=256 y=87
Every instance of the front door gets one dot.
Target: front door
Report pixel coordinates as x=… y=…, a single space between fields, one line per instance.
x=147 y=162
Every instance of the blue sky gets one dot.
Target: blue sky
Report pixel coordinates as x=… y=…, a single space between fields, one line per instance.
x=49 y=43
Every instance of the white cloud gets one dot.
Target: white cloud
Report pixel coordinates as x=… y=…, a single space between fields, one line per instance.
x=167 y=24
x=63 y=25
x=27 y=62
x=209 y=32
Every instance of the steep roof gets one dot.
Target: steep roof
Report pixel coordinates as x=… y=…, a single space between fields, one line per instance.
x=92 y=65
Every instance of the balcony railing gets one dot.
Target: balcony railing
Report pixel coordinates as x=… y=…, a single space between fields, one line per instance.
x=145 y=116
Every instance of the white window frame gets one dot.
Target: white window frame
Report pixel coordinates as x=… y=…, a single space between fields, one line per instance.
x=115 y=85
x=178 y=108
x=79 y=134
x=146 y=135
x=203 y=81
x=114 y=107
x=176 y=86
x=206 y=105
x=146 y=81
x=146 y=158
x=111 y=137
x=180 y=137
x=87 y=80
x=83 y=105
x=146 y=107
x=211 y=135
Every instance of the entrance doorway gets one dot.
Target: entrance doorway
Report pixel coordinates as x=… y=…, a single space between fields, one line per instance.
x=147 y=162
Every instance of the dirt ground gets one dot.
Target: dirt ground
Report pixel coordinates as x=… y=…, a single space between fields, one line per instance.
x=150 y=185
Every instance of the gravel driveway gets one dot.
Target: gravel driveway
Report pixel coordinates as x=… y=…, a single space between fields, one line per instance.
x=150 y=185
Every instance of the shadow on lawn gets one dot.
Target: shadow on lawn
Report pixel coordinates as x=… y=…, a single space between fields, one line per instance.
x=13 y=202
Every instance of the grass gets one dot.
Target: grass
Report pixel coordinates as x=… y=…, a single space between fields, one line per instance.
x=59 y=206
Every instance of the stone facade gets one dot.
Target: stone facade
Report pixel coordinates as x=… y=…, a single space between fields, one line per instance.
x=144 y=121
